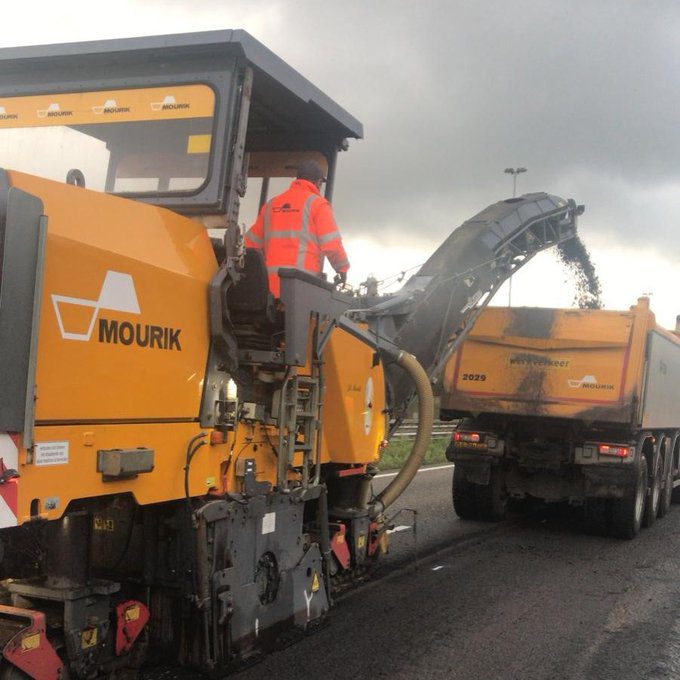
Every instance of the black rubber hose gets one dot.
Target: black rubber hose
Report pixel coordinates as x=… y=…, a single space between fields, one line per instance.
x=425 y=421
x=191 y=452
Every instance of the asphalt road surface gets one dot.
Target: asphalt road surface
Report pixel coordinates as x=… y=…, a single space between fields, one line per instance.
x=534 y=597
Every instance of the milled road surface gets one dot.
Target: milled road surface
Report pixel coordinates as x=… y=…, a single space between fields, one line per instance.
x=534 y=597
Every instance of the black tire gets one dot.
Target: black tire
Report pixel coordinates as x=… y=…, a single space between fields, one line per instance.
x=10 y=672
x=492 y=499
x=596 y=516
x=675 y=496
x=666 y=491
x=519 y=505
x=463 y=492
x=487 y=502
x=627 y=513
x=654 y=496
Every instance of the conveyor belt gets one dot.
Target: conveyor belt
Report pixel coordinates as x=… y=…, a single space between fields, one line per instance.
x=436 y=307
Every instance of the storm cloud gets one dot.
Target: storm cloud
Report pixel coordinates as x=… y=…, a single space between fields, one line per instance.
x=583 y=93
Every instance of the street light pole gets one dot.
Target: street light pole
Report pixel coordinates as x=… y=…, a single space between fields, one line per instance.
x=514 y=172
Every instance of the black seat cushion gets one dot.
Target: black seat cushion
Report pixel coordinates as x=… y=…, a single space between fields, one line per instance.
x=251 y=293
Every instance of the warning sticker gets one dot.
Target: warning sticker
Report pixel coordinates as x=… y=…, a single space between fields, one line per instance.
x=269 y=523
x=30 y=641
x=51 y=453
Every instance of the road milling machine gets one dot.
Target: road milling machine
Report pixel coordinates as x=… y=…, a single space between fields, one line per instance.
x=186 y=462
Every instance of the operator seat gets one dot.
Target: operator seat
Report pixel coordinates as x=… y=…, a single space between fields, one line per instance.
x=252 y=307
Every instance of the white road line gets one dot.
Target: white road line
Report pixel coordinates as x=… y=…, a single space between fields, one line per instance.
x=424 y=469
x=438 y=567
x=401 y=527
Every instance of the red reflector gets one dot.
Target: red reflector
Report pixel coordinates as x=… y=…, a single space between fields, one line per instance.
x=217 y=437
x=348 y=472
x=465 y=437
x=613 y=450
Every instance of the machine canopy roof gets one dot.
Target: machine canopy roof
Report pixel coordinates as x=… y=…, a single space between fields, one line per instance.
x=281 y=97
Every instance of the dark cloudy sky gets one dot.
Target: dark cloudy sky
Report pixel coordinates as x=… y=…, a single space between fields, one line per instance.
x=585 y=94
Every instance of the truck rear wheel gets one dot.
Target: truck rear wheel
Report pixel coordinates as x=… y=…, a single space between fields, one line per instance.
x=652 y=507
x=596 y=516
x=626 y=513
x=493 y=497
x=675 y=498
x=666 y=492
x=10 y=672
x=463 y=491
x=486 y=502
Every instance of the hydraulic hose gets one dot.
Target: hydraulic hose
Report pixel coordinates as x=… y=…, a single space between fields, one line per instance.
x=425 y=420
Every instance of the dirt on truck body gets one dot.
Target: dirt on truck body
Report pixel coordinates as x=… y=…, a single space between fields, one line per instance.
x=574 y=405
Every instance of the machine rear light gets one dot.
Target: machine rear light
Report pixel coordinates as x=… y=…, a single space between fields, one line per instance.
x=466 y=437
x=614 y=450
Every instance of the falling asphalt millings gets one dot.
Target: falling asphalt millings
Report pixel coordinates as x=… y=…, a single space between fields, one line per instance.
x=575 y=257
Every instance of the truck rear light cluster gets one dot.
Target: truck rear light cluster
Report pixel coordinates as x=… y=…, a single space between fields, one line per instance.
x=613 y=450
x=466 y=437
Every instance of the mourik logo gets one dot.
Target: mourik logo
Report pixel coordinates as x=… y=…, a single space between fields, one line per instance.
x=169 y=103
x=7 y=116
x=110 y=106
x=53 y=111
x=77 y=317
x=589 y=382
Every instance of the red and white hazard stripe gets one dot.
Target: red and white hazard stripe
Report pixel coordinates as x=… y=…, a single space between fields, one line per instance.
x=9 y=455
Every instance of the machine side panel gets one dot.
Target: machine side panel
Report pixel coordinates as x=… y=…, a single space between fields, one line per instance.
x=124 y=330
x=63 y=465
x=353 y=416
x=660 y=406
x=19 y=291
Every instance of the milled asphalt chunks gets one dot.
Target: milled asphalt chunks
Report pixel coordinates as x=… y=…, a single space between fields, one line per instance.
x=575 y=257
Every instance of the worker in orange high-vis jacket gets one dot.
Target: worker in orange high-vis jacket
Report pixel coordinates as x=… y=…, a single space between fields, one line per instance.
x=297 y=229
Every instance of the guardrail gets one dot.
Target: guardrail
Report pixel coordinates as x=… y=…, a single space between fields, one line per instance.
x=441 y=428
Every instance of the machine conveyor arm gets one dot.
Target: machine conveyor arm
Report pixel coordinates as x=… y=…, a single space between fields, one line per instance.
x=433 y=311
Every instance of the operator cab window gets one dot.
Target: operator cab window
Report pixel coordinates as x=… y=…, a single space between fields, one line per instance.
x=139 y=141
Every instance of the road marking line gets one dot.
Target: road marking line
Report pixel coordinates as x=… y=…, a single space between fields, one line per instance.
x=425 y=469
x=401 y=527
x=438 y=567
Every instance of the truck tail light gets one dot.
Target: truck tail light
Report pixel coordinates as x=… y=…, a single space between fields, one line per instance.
x=614 y=450
x=466 y=437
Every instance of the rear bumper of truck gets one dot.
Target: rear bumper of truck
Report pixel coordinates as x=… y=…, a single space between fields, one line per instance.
x=608 y=481
x=572 y=483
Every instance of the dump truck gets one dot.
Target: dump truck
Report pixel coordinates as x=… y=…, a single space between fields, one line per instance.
x=572 y=405
x=186 y=461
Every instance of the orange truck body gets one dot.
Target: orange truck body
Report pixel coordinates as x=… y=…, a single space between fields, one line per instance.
x=566 y=405
x=587 y=365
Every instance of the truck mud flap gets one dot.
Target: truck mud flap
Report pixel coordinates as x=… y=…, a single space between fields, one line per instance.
x=601 y=482
x=476 y=471
x=25 y=644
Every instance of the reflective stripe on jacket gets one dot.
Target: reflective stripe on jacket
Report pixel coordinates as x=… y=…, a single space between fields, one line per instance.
x=297 y=229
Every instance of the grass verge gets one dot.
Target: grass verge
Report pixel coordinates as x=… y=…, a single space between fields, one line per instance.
x=397 y=451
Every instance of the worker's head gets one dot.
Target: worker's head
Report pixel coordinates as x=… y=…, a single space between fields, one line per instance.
x=311 y=171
